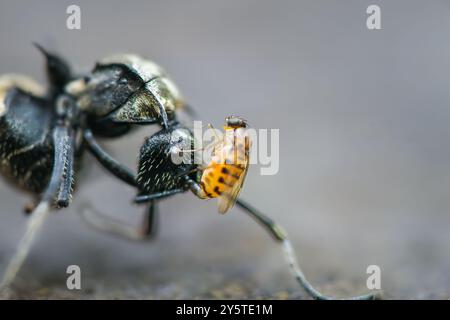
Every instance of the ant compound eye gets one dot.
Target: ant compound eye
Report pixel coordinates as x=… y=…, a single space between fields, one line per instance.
x=176 y=155
x=176 y=150
x=181 y=138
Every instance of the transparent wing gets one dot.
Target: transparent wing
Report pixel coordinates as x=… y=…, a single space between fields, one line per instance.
x=228 y=198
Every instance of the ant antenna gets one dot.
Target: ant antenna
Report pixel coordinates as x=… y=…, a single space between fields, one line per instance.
x=280 y=236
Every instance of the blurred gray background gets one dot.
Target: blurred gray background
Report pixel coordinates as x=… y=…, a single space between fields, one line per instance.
x=365 y=151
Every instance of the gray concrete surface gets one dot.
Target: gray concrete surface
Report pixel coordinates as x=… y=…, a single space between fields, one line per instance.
x=364 y=152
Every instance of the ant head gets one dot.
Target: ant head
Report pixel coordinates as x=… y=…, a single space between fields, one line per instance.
x=165 y=159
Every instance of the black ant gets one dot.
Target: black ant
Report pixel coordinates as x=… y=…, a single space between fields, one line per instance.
x=43 y=136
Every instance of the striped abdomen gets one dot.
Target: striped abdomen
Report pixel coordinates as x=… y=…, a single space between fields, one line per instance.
x=220 y=177
x=227 y=165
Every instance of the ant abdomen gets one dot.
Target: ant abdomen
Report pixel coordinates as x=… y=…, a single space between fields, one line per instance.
x=26 y=147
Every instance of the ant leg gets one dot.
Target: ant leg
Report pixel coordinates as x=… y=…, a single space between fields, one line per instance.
x=108 y=162
x=59 y=189
x=164 y=118
x=64 y=195
x=275 y=230
x=196 y=188
x=150 y=222
x=280 y=236
x=156 y=196
x=100 y=221
x=61 y=181
x=34 y=224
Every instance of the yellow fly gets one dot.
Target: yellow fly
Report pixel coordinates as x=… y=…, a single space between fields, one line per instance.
x=224 y=176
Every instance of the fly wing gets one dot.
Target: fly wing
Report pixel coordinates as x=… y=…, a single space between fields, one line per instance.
x=228 y=198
